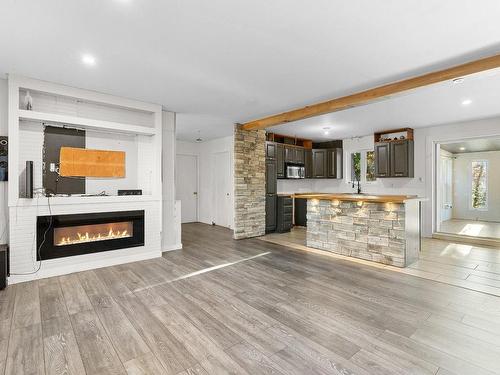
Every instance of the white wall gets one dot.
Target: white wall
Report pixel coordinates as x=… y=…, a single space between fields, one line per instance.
x=462 y=186
x=424 y=180
x=3 y=185
x=171 y=236
x=206 y=187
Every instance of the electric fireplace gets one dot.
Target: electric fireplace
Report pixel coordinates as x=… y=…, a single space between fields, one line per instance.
x=68 y=235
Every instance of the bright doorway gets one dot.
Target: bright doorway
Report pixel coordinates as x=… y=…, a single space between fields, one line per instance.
x=468 y=189
x=186 y=186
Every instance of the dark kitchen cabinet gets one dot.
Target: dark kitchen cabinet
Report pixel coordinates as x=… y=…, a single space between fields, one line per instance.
x=394 y=159
x=284 y=216
x=289 y=154
x=334 y=163
x=294 y=155
x=271 y=150
x=320 y=163
x=382 y=160
x=271 y=176
x=299 y=155
x=271 y=201
x=280 y=161
x=401 y=158
x=308 y=163
x=301 y=212
x=271 y=189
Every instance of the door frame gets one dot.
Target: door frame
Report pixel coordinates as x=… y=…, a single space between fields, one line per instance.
x=197 y=158
x=436 y=172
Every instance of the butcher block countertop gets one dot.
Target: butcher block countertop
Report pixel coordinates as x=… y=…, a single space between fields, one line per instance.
x=356 y=197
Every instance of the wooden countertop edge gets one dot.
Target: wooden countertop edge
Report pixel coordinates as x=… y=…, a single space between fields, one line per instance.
x=354 y=198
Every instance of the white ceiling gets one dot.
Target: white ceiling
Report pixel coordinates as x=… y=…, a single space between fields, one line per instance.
x=224 y=61
x=473 y=145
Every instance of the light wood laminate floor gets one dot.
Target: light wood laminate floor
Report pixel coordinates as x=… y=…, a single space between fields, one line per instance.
x=468 y=266
x=246 y=307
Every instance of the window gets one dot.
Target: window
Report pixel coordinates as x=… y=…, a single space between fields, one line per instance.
x=356 y=166
x=370 y=166
x=363 y=161
x=479 y=185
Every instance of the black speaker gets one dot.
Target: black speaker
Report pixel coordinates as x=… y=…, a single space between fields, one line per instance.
x=4 y=266
x=4 y=158
x=29 y=179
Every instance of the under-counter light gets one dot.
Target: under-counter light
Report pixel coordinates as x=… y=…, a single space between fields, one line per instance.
x=88 y=60
x=466 y=102
x=458 y=80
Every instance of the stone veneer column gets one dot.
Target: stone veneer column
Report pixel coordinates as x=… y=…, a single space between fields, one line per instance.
x=249 y=183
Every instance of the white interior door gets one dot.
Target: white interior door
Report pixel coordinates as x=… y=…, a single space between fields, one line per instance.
x=222 y=189
x=186 y=186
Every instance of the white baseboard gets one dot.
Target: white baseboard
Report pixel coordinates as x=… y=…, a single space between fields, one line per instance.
x=172 y=247
x=78 y=267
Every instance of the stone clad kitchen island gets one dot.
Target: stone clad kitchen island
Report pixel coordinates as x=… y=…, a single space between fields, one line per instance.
x=379 y=228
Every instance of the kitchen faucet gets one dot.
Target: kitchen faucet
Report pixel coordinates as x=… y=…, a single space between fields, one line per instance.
x=359 y=184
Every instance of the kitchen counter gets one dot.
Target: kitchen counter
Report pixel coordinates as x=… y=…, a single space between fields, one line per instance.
x=380 y=228
x=357 y=197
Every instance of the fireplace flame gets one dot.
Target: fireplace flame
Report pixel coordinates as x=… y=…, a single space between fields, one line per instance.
x=92 y=237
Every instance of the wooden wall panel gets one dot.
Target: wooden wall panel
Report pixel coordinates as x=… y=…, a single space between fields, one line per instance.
x=81 y=162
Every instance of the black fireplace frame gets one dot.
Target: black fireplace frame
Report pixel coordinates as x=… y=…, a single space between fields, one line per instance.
x=46 y=224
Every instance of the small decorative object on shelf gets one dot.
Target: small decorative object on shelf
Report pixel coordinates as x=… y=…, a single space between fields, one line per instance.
x=28 y=101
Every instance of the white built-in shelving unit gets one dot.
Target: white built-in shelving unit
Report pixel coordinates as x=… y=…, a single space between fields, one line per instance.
x=110 y=123
x=64 y=106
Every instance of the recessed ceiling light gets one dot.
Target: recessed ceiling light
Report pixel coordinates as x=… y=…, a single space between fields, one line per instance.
x=466 y=102
x=88 y=60
x=458 y=80
x=326 y=130
x=199 y=139
x=462 y=148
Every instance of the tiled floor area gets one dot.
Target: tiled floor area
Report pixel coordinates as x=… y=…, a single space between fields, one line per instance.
x=471 y=228
x=468 y=266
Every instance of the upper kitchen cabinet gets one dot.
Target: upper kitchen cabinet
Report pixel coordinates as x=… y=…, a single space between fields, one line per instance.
x=308 y=163
x=319 y=164
x=271 y=150
x=334 y=161
x=299 y=156
x=294 y=154
x=280 y=161
x=394 y=155
x=382 y=160
x=402 y=158
x=289 y=154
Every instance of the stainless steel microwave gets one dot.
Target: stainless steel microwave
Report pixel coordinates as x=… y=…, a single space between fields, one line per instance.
x=295 y=171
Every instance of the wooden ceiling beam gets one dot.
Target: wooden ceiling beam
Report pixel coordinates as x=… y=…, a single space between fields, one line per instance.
x=377 y=93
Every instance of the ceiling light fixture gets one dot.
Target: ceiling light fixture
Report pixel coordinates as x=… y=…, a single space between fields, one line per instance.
x=458 y=80
x=88 y=60
x=462 y=148
x=466 y=102
x=199 y=139
x=326 y=130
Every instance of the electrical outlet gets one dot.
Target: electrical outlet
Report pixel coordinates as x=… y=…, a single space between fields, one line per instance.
x=52 y=167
